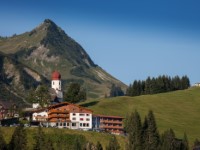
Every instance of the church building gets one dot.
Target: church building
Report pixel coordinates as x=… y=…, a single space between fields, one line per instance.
x=56 y=86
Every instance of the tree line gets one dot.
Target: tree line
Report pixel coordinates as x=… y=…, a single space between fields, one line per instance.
x=160 y=84
x=145 y=136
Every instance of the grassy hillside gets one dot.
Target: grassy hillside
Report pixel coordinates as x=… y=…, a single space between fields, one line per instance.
x=179 y=110
x=89 y=136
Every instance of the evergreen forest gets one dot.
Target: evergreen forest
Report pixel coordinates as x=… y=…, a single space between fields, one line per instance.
x=160 y=84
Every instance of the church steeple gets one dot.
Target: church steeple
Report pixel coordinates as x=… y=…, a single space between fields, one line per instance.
x=56 y=84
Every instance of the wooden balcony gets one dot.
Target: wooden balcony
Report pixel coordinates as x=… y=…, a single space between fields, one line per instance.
x=111 y=121
x=56 y=120
x=58 y=111
x=41 y=117
x=111 y=127
x=58 y=116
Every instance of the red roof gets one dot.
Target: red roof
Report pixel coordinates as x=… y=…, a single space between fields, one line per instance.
x=70 y=104
x=55 y=75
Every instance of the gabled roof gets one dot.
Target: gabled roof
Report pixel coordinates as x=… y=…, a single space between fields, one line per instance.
x=59 y=105
x=66 y=103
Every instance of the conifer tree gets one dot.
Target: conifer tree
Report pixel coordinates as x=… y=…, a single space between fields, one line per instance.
x=145 y=134
x=113 y=144
x=196 y=145
x=99 y=146
x=152 y=132
x=126 y=123
x=88 y=146
x=135 y=132
x=77 y=145
x=40 y=140
x=49 y=145
x=168 y=140
x=19 y=139
x=185 y=82
x=116 y=91
x=3 y=145
x=148 y=85
x=185 y=142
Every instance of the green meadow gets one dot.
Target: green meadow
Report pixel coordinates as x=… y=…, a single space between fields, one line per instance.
x=56 y=135
x=179 y=110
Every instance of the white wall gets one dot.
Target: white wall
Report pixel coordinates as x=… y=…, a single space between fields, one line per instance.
x=43 y=113
x=35 y=105
x=82 y=119
x=56 y=84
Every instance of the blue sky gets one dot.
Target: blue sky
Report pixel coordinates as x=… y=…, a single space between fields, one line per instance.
x=129 y=39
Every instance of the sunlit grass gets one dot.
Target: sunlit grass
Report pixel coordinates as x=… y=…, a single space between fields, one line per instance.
x=90 y=136
x=179 y=110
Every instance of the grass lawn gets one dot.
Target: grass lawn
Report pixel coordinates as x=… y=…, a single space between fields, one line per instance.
x=179 y=110
x=90 y=136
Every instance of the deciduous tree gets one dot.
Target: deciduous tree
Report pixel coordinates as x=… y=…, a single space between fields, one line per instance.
x=75 y=93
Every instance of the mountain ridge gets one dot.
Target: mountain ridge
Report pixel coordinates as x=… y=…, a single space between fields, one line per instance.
x=47 y=48
x=16 y=80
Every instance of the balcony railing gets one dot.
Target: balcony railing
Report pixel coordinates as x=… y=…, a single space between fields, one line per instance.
x=111 y=121
x=58 y=111
x=56 y=120
x=111 y=127
x=58 y=116
x=41 y=117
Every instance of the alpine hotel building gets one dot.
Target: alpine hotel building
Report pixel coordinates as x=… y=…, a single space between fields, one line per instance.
x=66 y=115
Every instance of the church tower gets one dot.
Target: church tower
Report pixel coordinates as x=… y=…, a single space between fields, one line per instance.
x=56 y=85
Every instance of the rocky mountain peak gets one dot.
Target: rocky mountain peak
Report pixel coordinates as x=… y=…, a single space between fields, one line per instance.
x=48 y=47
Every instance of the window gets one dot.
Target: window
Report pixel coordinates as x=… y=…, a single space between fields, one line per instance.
x=73 y=118
x=87 y=119
x=81 y=119
x=84 y=124
x=73 y=124
x=56 y=124
x=74 y=114
x=87 y=114
x=64 y=124
x=87 y=124
x=81 y=114
x=81 y=124
x=67 y=124
x=60 y=124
